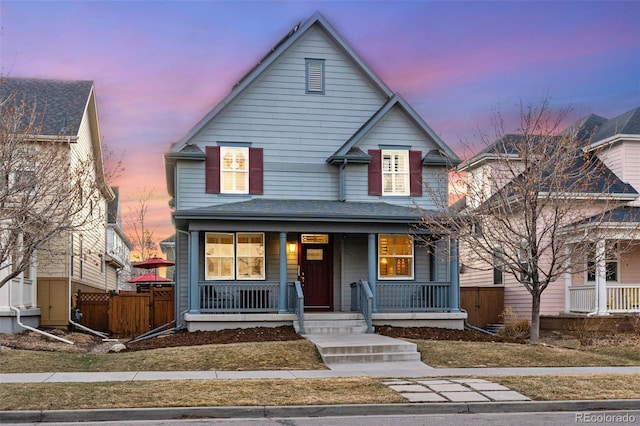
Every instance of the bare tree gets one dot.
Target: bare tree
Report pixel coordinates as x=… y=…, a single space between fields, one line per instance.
x=141 y=235
x=529 y=197
x=43 y=193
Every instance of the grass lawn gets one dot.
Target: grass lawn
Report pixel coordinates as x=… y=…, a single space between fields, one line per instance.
x=290 y=355
x=353 y=390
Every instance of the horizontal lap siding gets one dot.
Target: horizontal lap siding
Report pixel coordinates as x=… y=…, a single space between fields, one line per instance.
x=298 y=131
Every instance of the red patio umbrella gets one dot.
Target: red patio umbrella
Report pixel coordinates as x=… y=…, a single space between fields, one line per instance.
x=149 y=277
x=153 y=263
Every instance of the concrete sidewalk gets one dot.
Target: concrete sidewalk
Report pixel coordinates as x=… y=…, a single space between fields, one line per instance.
x=386 y=369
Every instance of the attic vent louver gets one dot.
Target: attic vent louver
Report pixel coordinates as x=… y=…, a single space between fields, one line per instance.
x=315 y=76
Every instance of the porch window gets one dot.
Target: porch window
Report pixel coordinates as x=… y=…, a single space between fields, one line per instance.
x=395 y=256
x=395 y=172
x=611 y=264
x=232 y=256
x=234 y=170
x=250 y=252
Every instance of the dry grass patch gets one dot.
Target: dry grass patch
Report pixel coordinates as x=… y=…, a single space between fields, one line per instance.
x=289 y=355
x=194 y=393
x=574 y=387
x=447 y=354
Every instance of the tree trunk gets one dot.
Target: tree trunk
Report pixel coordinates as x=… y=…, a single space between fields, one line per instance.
x=535 y=318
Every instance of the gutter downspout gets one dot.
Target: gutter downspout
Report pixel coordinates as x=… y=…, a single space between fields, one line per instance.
x=13 y=308
x=342 y=180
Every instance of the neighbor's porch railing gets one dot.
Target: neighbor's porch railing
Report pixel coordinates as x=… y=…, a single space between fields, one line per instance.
x=412 y=297
x=239 y=297
x=621 y=298
x=582 y=299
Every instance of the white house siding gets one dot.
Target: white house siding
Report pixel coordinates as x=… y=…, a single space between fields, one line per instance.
x=93 y=235
x=519 y=299
x=630 y=266
x=298 y=131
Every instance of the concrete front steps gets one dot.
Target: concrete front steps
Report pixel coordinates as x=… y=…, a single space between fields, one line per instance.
x=341 y=338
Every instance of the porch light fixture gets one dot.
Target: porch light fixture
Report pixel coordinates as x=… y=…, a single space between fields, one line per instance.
x=292 y=247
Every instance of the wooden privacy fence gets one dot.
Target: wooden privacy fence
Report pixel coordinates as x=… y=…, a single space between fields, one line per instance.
x=126 y=315
x=484 y=305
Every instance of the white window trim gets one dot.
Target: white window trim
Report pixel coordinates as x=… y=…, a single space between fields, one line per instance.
x=235 y=276
x=402 y=155
x=235 y=174
x=411 y=256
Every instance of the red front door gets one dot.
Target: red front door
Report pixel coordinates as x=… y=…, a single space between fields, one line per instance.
x=316 y=271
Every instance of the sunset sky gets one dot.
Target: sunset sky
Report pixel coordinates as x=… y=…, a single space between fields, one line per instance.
x=160 y=66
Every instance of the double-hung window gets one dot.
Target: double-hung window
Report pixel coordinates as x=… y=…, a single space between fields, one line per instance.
x=395 y=172
x=234 y=170
x=395 y=256
x=238 y=256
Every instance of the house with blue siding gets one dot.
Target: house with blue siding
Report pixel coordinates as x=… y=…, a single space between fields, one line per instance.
x=299 y=195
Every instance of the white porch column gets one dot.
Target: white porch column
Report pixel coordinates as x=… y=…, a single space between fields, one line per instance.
x=567 y=280
x=601 y=278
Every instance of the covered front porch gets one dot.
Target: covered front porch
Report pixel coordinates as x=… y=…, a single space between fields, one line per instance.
x=373 y=267
x=611 y=282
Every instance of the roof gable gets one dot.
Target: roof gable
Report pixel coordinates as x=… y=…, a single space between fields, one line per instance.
x=624 y=124
x=346 y=150
x=317 y=20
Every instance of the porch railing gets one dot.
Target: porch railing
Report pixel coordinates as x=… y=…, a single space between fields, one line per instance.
x=623 y=298
x=582 y=298
x=296 y=303
x=239 y=297
x=365 y=302
x=412 y=297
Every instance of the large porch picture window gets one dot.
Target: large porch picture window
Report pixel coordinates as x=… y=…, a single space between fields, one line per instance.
x=219 y=257
x=230 y=256
x=250 y=252
x=395 y=257
x=234 y=170
x=395 y=172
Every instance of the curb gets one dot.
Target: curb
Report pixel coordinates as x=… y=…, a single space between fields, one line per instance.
x=132 y=414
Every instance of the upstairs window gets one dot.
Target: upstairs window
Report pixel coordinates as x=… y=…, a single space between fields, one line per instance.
x=314 y=76
x=394 y=172
x=233 y=170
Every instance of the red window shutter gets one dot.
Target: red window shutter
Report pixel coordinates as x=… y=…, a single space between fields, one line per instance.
x=255 y=171
x=415 y=173
x=212 y=170
x=375 y=172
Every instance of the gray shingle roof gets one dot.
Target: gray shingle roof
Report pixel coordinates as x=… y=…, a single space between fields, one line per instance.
x=59 y=103
x=624 y=124
x=308 y=210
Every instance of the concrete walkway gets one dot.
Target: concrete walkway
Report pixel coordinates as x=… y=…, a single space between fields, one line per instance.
x=395 y=370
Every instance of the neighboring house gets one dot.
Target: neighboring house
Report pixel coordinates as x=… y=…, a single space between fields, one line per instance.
x=613 y=284
x=119 y=247
x=74 y=261
x=310 y=171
